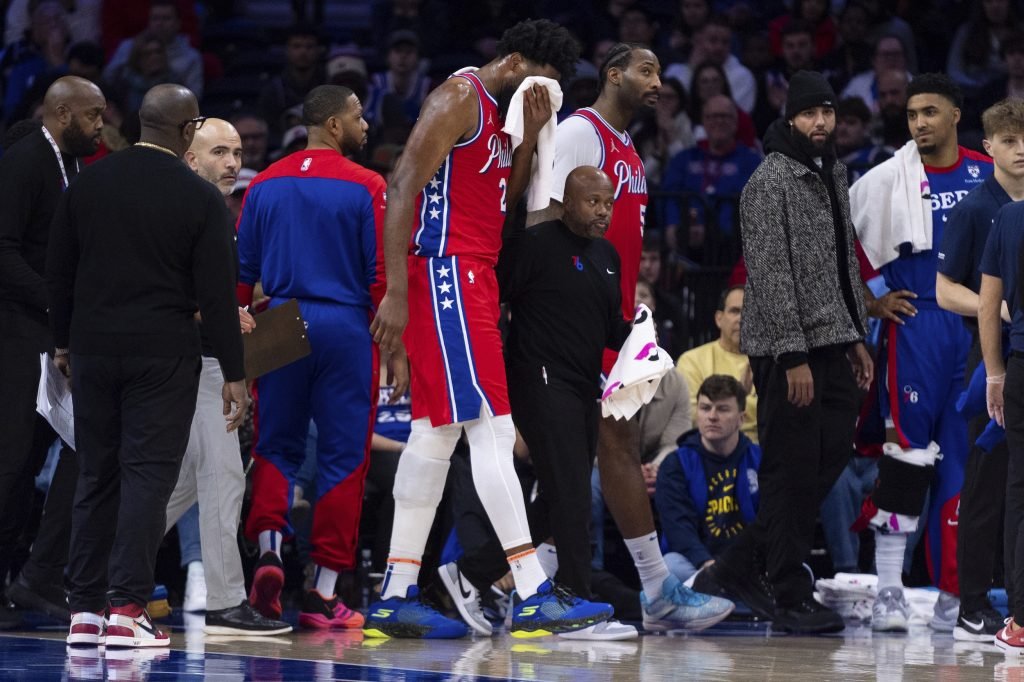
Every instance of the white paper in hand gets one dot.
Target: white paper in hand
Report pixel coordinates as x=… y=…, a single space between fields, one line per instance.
x=53 y=400
x=634 y=379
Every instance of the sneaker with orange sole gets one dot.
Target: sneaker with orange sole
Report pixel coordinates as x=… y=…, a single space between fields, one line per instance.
x=321 y=613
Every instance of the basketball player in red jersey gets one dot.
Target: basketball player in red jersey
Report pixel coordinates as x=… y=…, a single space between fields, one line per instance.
x=596 y=136
x=449 y=193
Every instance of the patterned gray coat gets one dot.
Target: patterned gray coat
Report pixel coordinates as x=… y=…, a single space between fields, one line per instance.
x=793 y=301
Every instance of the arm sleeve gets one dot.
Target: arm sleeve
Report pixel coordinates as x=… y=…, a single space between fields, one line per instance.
x=514 y=264
x=618 y=327
x=576 y=144
x=212 y=277
x=990 y=256
x=955 y=250
x=679 y=517
x=21 y=191
x=769 y=268
x=61 y=267
x=373 y=241
x=249 y=238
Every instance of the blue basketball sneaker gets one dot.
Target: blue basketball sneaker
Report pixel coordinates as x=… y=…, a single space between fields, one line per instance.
x=554 y=609
x=680 y=608
x=411 y=618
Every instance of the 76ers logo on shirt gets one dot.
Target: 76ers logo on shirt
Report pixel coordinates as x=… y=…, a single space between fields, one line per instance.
x=501 y=151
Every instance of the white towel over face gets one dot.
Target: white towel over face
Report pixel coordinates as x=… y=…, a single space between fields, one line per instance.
x=539 y=194
x=634 y=379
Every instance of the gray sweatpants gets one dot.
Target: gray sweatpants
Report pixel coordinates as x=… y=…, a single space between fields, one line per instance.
x=211 y=473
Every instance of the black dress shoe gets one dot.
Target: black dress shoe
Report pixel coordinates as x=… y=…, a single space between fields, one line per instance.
x=50 y=601
x=243 y=620
x=807 y=618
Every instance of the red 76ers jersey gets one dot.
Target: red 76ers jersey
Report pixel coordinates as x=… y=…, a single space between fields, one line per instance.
x=461 y=210
x=586 y=139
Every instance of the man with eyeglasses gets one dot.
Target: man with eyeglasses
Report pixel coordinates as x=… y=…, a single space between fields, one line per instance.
x=137 y=245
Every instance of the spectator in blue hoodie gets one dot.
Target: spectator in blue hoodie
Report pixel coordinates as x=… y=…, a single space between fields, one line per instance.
x=707 y=490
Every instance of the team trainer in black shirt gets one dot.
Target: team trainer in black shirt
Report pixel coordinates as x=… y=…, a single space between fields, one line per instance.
x=561 y=280
x=136 y=243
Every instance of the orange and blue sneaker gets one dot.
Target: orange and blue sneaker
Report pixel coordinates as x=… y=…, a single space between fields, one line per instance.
x=410 y=617
x=555 y=609
x=320 y=613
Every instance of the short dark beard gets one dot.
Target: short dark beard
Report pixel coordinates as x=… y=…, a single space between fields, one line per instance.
x=805 y=144
x=927 y=149
x=76 y=141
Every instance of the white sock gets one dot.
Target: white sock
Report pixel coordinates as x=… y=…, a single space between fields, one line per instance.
x=650 y=564
x=547 y=554
x=195 y=567
x=325 y=580
x=399 y=576
x=527 y=572
x=889 y=550
x=270 y=541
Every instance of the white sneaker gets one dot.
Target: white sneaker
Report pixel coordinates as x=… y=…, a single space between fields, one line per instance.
x=891 y=611
x=466 y=598
x=87 y=629
x=130 y=626
x=195 y=588
x=947 y=610
x=607 y=631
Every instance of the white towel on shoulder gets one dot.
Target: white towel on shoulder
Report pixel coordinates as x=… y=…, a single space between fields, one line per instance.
x=891 y=205
x=634 y=379
x=539 y=194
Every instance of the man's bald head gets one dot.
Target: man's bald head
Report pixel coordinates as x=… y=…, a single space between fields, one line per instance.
x=588 y=199
x=73 y=113
x=216 y=154
x=164 y=114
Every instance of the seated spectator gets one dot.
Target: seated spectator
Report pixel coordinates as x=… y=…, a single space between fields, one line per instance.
x=666 y=307
x=638 y=24
x=716 y=169
x=664 y=131
x=302 y=73
x=255 y=134
x=723 y=356
x=396 y=95
x=814 y=13
x=1010 y=84
x=41 y=49
x=346 y=67
x=797 y=42
x=692 y=15
x=975 y=56
x=82 y=16
x=707 y=490
x=182 y=59
x=853 y=139
x=882 y=21
x=148 y=65
x=889 y=124
x=709 y=80
x=889 y=55
x=852 y=54
x=713 y=43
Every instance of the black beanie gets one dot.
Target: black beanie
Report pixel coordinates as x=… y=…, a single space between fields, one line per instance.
x=808 y=89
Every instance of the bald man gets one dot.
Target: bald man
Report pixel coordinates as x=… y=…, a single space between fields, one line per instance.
x=561 y=281
x=136 y=242
x=33 y=173
x=211 y=471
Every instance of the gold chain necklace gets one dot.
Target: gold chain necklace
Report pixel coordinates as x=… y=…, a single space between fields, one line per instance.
x=157 y=147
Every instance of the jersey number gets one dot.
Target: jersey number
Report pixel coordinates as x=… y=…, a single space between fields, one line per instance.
x=503 y=186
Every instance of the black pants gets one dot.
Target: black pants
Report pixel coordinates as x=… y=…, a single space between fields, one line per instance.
x=982 y=505
x=559 y=425
x=132 y=419
x=22 y=339
x=803 y=452
x=1013 y=397
x=45 y=566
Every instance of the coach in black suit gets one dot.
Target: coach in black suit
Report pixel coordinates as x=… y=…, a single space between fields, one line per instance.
x=137 y=245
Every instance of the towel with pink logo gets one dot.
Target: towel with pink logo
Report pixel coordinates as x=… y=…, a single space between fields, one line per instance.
x=635 y=376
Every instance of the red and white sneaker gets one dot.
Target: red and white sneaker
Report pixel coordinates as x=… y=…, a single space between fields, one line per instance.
x=87 y=629
x=265 y=595
x=1010 y=641
x=319 y=613
x=131 y=626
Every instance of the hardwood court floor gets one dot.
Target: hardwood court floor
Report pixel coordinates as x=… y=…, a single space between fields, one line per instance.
x=727 y=652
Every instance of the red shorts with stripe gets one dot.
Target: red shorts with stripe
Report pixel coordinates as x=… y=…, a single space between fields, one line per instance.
x=453 y=341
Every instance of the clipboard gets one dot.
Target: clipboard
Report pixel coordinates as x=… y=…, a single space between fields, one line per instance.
x=278 y=339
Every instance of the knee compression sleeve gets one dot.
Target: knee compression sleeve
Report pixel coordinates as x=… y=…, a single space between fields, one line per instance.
x=419 y=484
x=904 y=477
x=491 y=440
